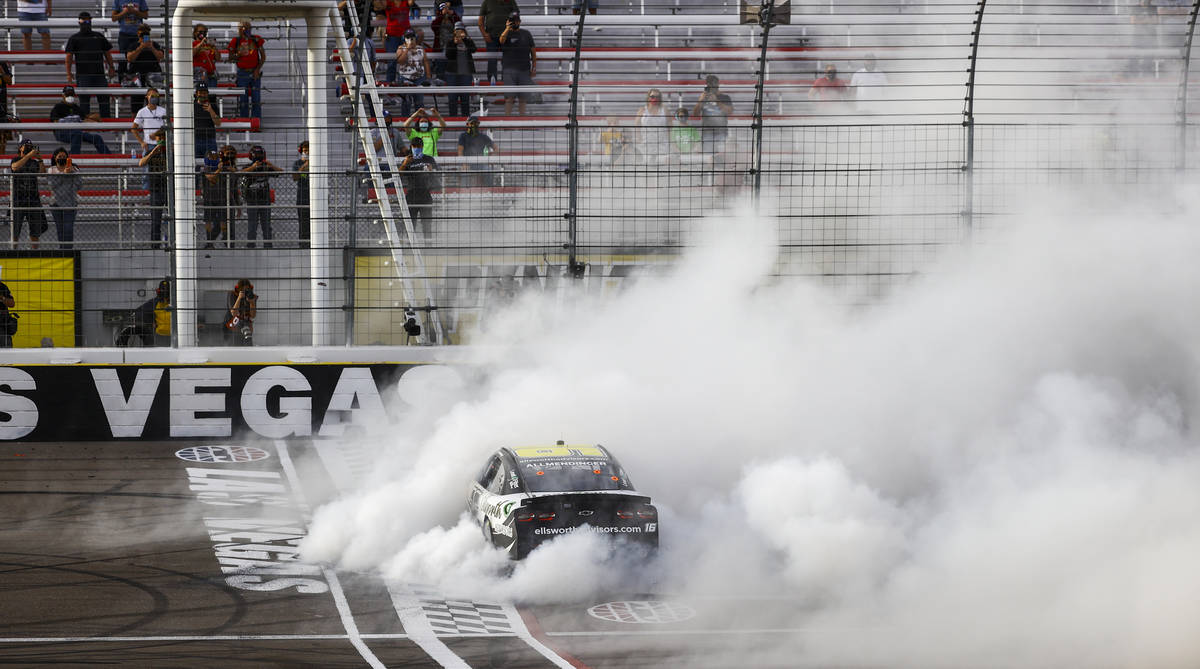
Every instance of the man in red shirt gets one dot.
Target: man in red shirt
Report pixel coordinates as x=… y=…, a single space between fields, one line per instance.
x=397 y=13
x=247 y=51
x=829 y=87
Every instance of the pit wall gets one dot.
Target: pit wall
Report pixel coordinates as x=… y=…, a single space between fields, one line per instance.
x=210 y=393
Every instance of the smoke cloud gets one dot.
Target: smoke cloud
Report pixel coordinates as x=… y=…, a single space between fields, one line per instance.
x=995 y=465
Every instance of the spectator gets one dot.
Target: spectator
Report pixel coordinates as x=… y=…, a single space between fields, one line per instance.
x=420 y=124
x=34 y=10
x=381 y=134
x=206 y=120
x=413 y=69
x=460 y=68
x=869 y=84
x=68 y=111
x=475 y=144
x=396 y=24
x=493 y=19
x=5 y=81
x=64 y=184
x=246 y=50
x=155 y=161
x=685 y=139
x=256 y=184
x=151 y=320
x=829 y=88
x=128 y=14
x=26 y=198
x=614 y=142
x=520 y=60
x=443 y=34
x=220 y=195
x=420 y=186
x=204 y=56
x=8 y=321
x=89 y=53
x=592 y=6
x=145 y=62
x=148 y=119
x=300 y=176
x=242 y=304
x=713 y=108
x=368 y=47
x=653 y=124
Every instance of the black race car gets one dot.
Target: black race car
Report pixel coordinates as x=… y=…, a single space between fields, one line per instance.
x=529 y=494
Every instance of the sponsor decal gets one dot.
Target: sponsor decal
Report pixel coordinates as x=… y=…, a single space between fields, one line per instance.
x=497 y=509
x=503 y=529
x=588 y=529
x=559 y=452
x=651 y=527
x=653 y=612
x=209 y=401
x=221 y=454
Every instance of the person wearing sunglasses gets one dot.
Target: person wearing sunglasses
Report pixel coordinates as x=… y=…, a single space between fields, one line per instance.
x=653 y=125
x=204 y=57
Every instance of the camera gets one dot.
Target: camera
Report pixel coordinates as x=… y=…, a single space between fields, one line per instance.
x=411 y=327
x=247 y=333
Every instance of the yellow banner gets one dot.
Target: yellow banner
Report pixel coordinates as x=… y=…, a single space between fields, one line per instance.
x=44 y=291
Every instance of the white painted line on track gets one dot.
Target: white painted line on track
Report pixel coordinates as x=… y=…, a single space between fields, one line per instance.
x=662 y=632
x=420 y=632
x=215 y=637
x=335 y=586
x=522 y=630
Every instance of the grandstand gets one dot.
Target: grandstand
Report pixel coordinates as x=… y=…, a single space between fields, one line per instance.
x=977 y=102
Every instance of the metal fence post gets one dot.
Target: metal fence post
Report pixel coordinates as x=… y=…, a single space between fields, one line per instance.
x=765 y=14
x=1181 y=103
x=573 y=266
x=968 y=212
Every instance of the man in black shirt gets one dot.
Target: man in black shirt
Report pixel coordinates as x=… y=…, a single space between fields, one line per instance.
x=145 y=58
x=474 y=143
x=520 y=60
x=419 y=185
x=88 y=51
x=7 y=322
x=26 y=199
x=67 y=110
x=207 y=120
x=256 y=184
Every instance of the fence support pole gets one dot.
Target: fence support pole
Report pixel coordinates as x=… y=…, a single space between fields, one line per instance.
x=1181 y=102
x=574 y=268
x=765 y=14
x=968 y=211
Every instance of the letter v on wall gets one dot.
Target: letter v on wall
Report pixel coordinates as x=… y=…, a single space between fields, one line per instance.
x=127 y=415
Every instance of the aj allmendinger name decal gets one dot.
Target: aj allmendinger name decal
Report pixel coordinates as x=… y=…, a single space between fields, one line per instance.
x=51 y=403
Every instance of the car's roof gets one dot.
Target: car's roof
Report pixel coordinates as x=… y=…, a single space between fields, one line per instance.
x=559 y=450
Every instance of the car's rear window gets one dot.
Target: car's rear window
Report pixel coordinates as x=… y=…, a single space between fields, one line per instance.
x=572 y=475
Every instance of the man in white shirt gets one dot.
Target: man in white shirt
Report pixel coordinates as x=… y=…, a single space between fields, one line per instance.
x=870 y=86
x=149 y=118
x=34 y=10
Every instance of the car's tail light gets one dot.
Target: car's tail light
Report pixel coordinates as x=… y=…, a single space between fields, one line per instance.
x=523 y=515
x=545 y=516
x=647 y=513
x=624 y=514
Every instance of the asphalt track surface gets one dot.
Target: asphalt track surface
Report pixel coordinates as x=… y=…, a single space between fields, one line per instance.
x=127 y=554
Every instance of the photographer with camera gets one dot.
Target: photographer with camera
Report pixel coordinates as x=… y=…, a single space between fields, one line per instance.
x=219 y=194
x=713 y=108
x=256 y=187
x=519 y=57
x=413 y=69
x=129 y=14
x=26 y=197
x=243 y=307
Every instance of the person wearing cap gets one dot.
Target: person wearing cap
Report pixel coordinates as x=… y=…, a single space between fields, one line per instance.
x=520 y=61
x=206 y=119
x=476 y=144
x=396 y=15
x=413 y=70
x=26 y=197
x=493 y=19
x=246 y=51
x=713 y=108
x=443 y=33
x=128 y=14
x=460 y=68
x=204 y=56
x=89 y=57
x=34 y=10
x=420 y=185
x=67 y=111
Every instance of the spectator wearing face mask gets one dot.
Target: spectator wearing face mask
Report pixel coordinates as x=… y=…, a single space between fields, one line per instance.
x=128 y=14
x=88 y=58
x=413 y=70
x=246 y=51
x=829 y=88
x=145 y=59
x=420 y=124
x=520 y=61
x=148 y=119
x=443 y=34
x=460 y=68
x=475 y=143
x=219 y=194
x=300 y=176
x=397 y=23
x=256 y=185
x=493 y=19
x=68 y=111
x=65 y=182
x=204 y=56
x=420 y=185
x=207 y=120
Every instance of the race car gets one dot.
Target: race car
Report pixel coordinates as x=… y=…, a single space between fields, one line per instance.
x=527 y=495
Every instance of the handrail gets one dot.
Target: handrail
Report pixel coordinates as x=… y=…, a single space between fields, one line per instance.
x=1181 y=103
x=968 y=212
x=573 y=267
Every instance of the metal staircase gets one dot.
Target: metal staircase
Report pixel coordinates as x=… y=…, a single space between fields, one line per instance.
x=389 y=191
